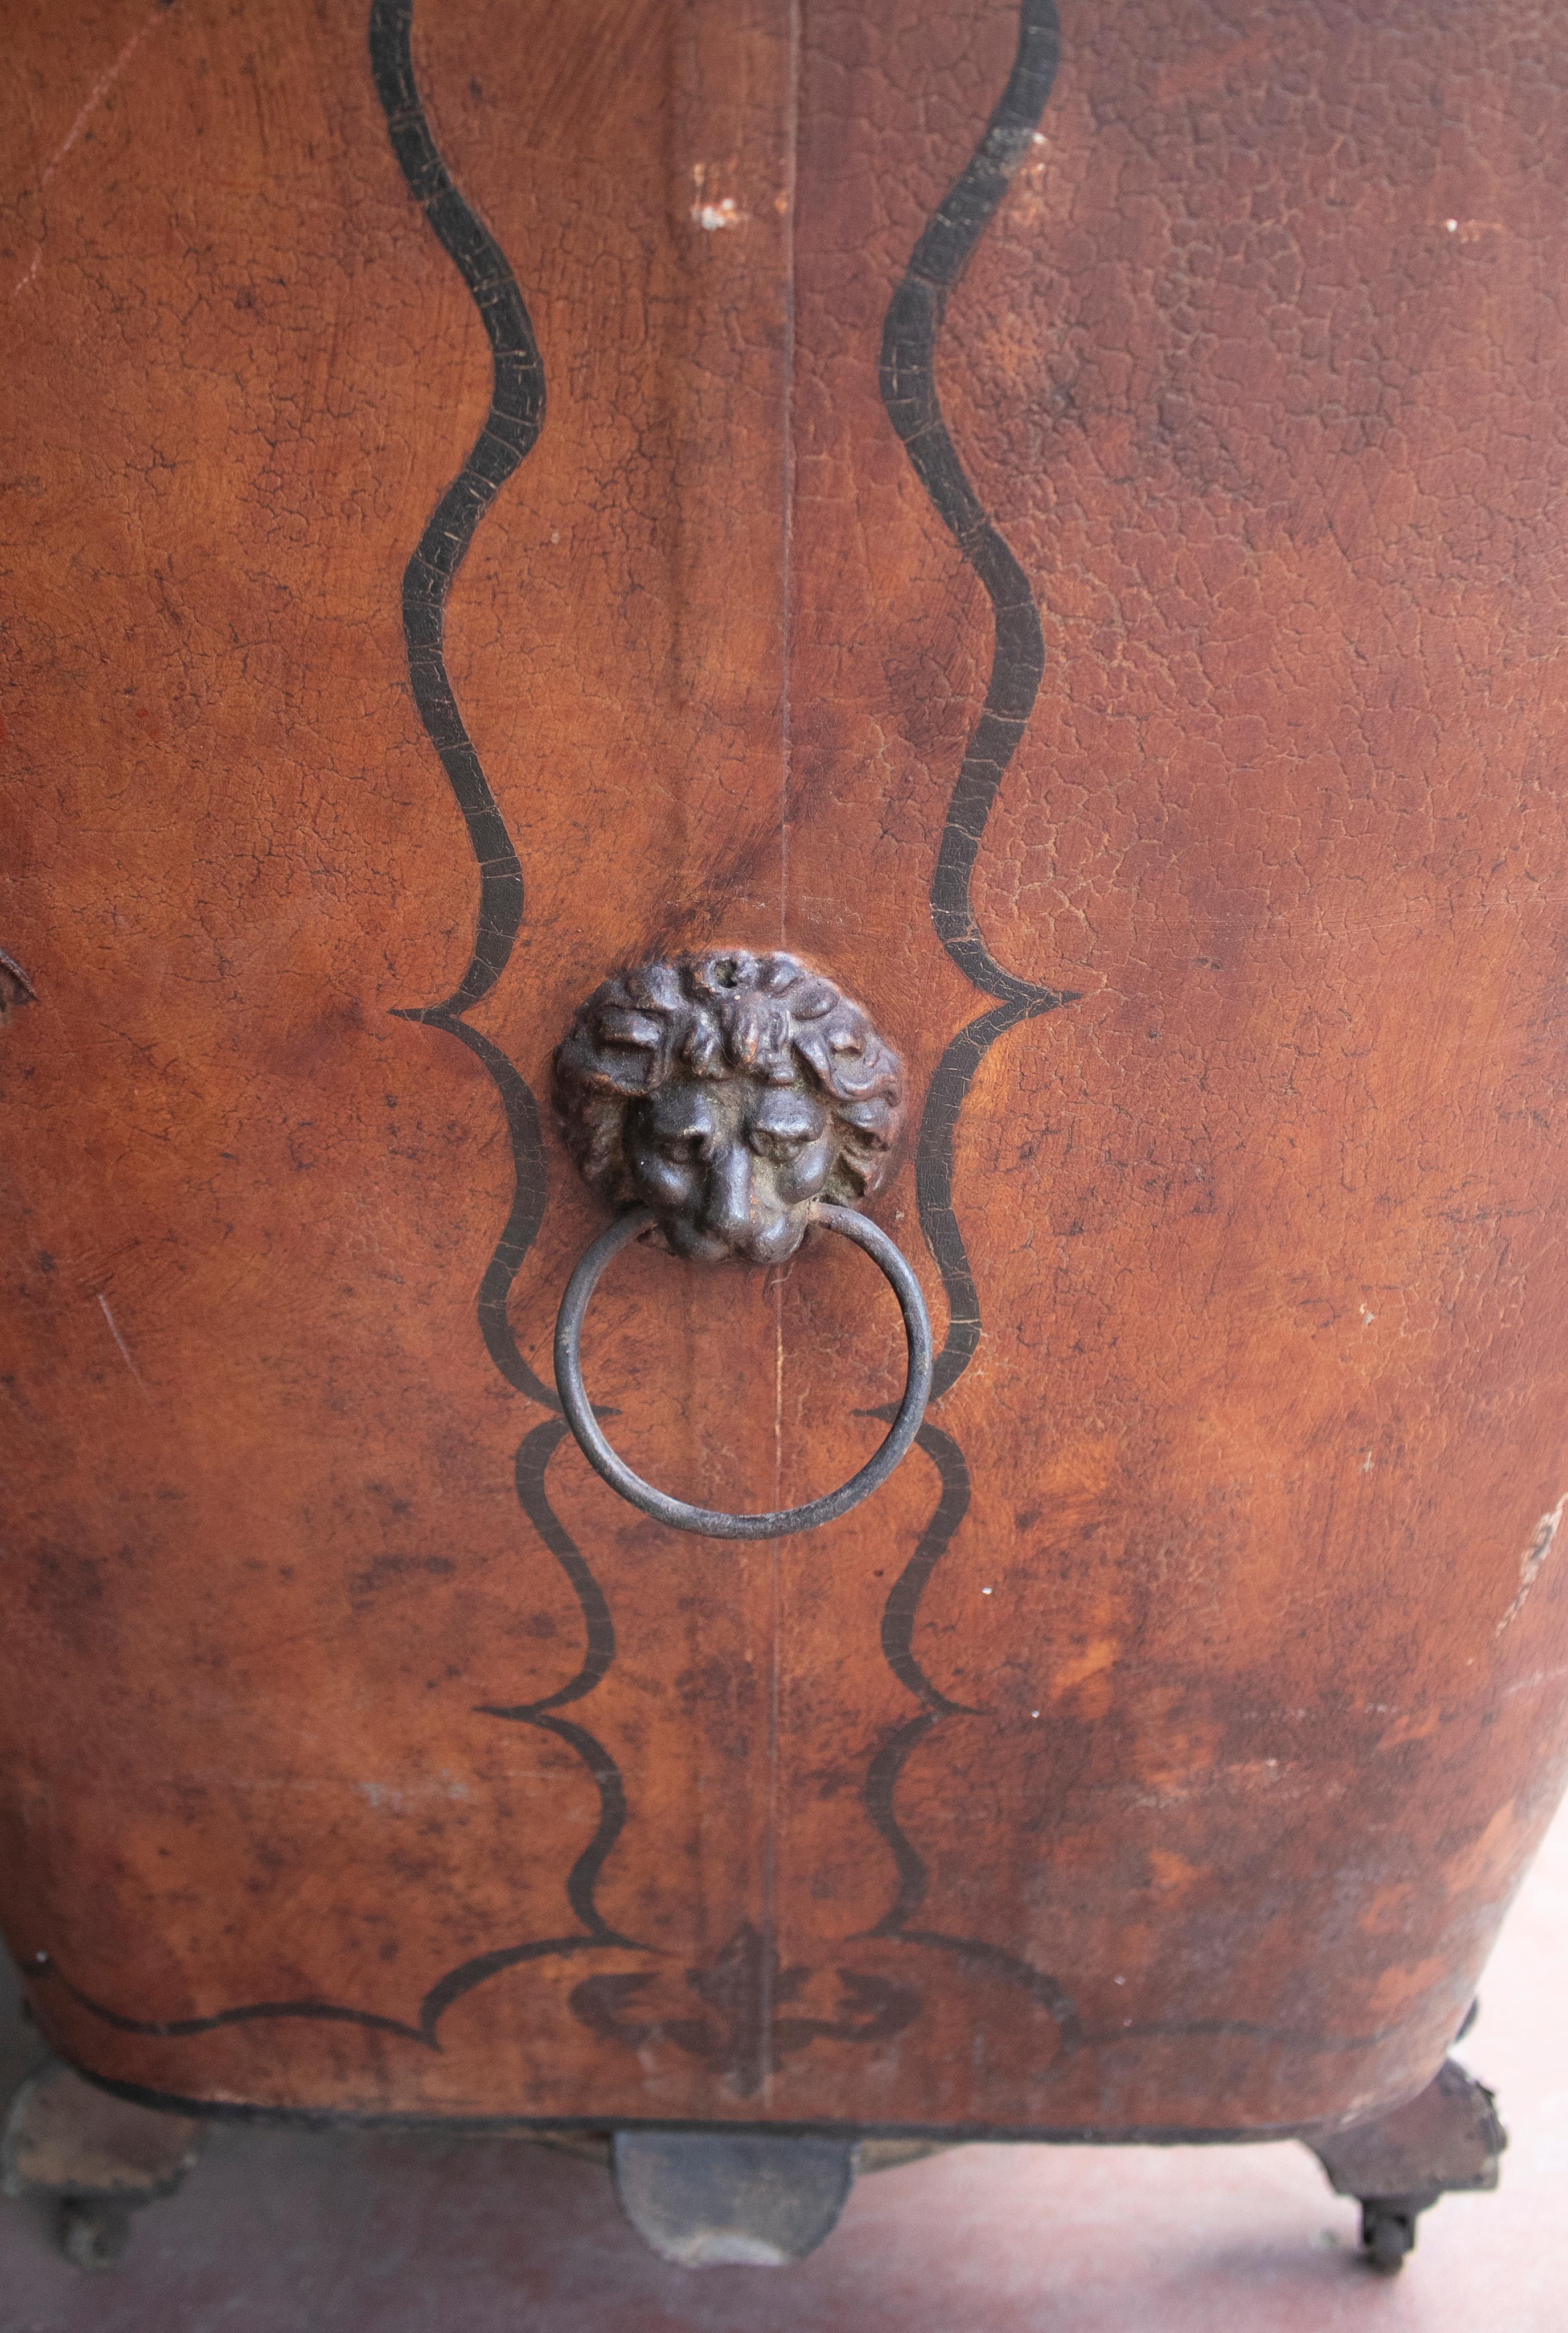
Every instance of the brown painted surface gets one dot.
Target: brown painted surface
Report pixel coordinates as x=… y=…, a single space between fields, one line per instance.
x=1232 y=1704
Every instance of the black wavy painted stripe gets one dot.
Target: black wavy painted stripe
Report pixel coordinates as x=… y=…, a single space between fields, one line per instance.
x=945 y=1098
x=509 y=431
x=534 y=1457
x=882 y=1775
x=432 y=2008
x=897 y=1924
x=908 y=379
x=902 y=1606
x=985 y=1959
x=899 y=1613
x=523 y=1217
x=909 y=387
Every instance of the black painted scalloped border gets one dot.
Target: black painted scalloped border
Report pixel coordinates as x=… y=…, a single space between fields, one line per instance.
x=507 y=436
x=908 y=380
x=509 y=431
x=907 y=375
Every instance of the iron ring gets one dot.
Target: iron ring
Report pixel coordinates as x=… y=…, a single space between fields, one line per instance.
x=713 y=1523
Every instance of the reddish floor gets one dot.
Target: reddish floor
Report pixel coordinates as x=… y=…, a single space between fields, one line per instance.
x=283 y=2231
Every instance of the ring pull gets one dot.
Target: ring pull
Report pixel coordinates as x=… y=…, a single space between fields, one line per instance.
x=731 y=1101
x=713 y=1523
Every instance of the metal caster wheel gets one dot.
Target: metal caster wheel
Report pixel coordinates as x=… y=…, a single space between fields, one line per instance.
x=94 y=2231
x=1386 y=2238
x=1445 y=2142
x=94 y=2158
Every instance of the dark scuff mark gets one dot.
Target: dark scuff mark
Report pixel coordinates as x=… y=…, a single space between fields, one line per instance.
x=16 y=988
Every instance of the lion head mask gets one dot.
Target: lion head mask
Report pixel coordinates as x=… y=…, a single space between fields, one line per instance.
x=728 y=1091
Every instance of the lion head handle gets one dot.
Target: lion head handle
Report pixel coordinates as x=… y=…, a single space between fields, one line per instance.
x=726 y=1091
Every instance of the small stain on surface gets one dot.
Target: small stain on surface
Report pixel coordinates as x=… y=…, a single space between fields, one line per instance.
x=16 y=988
x=1541 y=1540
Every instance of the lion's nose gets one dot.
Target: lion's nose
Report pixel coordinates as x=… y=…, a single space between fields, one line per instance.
x=727 y=1211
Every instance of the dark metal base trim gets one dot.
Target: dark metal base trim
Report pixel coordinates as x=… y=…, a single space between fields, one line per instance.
x=953 y=2134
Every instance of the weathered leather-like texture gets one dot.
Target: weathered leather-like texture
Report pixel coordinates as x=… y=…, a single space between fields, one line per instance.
x=1160 y=1750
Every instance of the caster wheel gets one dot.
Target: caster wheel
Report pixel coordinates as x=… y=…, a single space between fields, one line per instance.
x=1444 y=2141
x=94 y=2231
x=1386 y=2238
x=91 y=2158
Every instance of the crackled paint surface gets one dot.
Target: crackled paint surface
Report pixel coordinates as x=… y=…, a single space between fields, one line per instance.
x=1078 y=556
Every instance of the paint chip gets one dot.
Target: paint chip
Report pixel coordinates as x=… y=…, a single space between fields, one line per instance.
x=1531 y=1561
